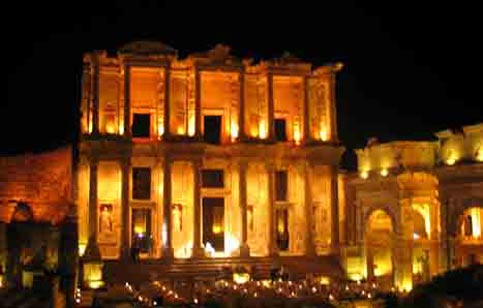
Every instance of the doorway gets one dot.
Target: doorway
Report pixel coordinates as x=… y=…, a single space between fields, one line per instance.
x=212 y=129
x=213 y=223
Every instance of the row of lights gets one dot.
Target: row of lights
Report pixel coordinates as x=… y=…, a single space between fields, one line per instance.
x=256 y=289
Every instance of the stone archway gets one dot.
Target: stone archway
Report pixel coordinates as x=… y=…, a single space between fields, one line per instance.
x=457 y=210
x=379 y=248
x=467 y=227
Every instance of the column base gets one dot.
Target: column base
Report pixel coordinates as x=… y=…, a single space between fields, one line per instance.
x=311 y=252
x=125 y=254
x=244 y=251
x=198 y=253
x=168 y=253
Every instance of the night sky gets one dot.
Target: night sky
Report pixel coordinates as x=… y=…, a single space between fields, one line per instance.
x=410 y=68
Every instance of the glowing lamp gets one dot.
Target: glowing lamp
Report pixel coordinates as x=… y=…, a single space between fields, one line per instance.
x=384 y=172
x=217 y=229
x=241 y=278
x=82 y=249
x=355 y=277
x=121 y=129
x=180 y=130
x=323 y=134
x=479 y=154
x=92 y=265
x=416 y=236
x=324 y=280
x=160 y=129
x=110 y=128
x=297 y=136
x=451 y=161
x=2 y=283
x=234 y=131
x=364 y=175
x=262 y=129
x=191 y=125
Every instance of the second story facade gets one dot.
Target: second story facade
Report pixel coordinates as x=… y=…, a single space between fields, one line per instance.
x=148 y=93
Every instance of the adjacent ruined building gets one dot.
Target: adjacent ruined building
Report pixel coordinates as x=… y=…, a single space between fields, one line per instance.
x=415 y=208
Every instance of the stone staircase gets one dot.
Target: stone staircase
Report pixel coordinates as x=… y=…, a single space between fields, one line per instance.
x=197 y=269
x=216 y=268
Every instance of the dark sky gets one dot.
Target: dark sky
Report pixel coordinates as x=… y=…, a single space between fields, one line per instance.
x=410 y=68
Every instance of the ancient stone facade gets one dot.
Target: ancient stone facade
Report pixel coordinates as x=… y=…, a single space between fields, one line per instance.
x=207 y=156
x=414 y=208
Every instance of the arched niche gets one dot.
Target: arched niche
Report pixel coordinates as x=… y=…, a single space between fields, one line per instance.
x=379 y=239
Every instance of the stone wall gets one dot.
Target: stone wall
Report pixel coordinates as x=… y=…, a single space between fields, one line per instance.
x=43 y=181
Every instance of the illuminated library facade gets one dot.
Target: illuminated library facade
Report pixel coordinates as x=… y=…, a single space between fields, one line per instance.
x=208 y=156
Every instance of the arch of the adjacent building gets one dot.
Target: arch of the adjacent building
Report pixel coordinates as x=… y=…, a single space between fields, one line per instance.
x=420 y=225
x=466 y=225
x=460 y=222
x=379 y=247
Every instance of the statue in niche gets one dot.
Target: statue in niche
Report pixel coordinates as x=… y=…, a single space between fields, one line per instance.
x=177 y=214
x=105 y=218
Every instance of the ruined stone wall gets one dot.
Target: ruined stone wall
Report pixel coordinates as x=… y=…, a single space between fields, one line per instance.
x=42 y=181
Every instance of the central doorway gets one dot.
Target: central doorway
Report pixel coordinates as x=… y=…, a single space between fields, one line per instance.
x=214 y=223
x=212 y=129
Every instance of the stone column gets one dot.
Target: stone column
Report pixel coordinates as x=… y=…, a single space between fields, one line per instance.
x=244 y=249
x=333 y=111
x=127 y=100
x=309 y=239
x=241 y=113
x=167 y=82
x=168 y=252
x=370 y=262
x=197 y=103
x=335 y=211
x=125 y=245
x=93 y=164
x=306 y=121
x=403 y=263
x=198 y=251
x=95 y=98
x=271 y=122
x=272 y=247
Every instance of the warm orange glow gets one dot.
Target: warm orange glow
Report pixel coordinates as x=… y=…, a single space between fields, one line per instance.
x=160 y=129
x=262 y=129
x=297 y=136
x=280 y=226
x=93 y=274
x=384 y=172
x=191 y=125
x=82 y=249
x=121 y=128
x=110 y=127
x=479 y=155
x=451 y=161
x=231 y=244
x=180 y=130
x=323 y=135
x=234 y=131
x=217 y=229
x=476 y=221
x=364 y=174
x=241 y=278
